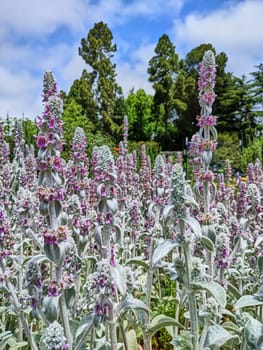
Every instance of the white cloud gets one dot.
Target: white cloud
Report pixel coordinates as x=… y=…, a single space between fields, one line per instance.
x=237 y=30
x=134 y=75
x=38 y=17
x=18 y=94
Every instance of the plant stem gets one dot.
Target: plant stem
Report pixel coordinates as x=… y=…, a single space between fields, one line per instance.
x=113 y=331
x=65 y=320
x=190 y=293
x=63 y=309
x=147 y=340
x=21 y=315
x=20 y=287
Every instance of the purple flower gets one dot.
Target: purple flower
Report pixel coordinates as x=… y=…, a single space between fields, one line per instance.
x=50 y=238
x=53 y=289
x=52 y=123
x=41 y=141
x=33 y=302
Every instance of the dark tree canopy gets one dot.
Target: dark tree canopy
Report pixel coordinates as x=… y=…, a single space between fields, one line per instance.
x=97 y=50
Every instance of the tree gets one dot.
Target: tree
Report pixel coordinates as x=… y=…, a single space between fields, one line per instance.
x=97 y=50
x=138 y=109
x=81 y=92
x=232 y=104
x=72 y=117
x=255 y=86
x=162 y=70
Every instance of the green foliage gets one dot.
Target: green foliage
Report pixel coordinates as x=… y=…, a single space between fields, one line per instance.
x=138 y=108
x=252 y=153
x=152 y=148
x=97 y=51
x=29 y=130
x=81 y=92
x=228 y=148
x=73 y=117
x=163 y=69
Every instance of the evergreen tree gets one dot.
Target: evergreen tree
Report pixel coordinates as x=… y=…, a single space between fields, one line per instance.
x=81 y=92
x=72 y=118
x=138 y=109
x=162 y=70
x=255 y=86
x=97 y=50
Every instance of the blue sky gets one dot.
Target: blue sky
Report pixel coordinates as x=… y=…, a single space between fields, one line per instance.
x=40 y=35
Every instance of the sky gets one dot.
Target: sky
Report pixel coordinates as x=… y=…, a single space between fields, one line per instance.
x=41 y=35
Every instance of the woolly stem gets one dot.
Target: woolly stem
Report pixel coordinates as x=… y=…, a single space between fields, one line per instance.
x=189 y=290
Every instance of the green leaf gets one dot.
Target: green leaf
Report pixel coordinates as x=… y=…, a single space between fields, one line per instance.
x=190 y=200
x=217 y=336
x=18 y=345
x=112 y=204
x=207 y=243
x=260 y=263
x=5 y=337
x=247 y=301
x=58 y=207
x=50 y=308
x=231 y=326
x=215 y=289
x=162 y=321
x=233 y=290
x=131 y=339
x=167 y=210
x=162 y=250
x=194 y=224
x=119 y=275
x=253 y=331
x=85 y=325
x=138 y=262
x=130 y=303
x=41 y=176
x=259 y=240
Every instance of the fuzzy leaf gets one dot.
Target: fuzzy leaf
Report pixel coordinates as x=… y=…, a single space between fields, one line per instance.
x=213 y=132
x=162 y=321
x=138 y=262
x=260 y=263
x=56 y=252
x=233 y=290
x=130 y=303
x=215 y=289
x=247 y=301
x=119 y=275
x=231 y=327
x=41 y=178
x=112 y=204
x=18 y=345
x=259 y=240
x=194 y=224
x=131 y=339
x=85 y=325
x=253 y=331
x=207 y=243
x=162 y=250
x=58 y=207
x=217 y=336
x=167 y=210
x=97 y=234
x=4 y=339
x=59 y=180
x=190 y=200
x=50 y=308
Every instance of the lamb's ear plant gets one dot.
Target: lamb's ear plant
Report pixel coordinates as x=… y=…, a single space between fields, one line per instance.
x=57 y=244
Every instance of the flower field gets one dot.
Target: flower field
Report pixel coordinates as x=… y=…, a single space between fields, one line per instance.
x=114 y=252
